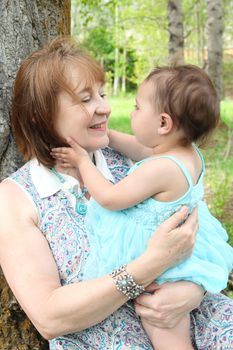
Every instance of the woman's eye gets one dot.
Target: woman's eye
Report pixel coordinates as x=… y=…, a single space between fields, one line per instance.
x=86 y=99
x=102 y=94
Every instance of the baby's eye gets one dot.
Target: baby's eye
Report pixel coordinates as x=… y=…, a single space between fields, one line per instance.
x=136 y=106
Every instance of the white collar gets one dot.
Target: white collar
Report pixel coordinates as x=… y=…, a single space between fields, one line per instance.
x=47 y=183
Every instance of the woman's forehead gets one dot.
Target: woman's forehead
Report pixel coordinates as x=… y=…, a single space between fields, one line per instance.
x=81 y=77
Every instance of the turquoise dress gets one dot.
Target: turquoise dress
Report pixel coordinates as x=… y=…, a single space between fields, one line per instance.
x=117 y=237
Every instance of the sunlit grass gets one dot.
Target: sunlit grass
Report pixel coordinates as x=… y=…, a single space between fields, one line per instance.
x=121 y=109
x=227 y=112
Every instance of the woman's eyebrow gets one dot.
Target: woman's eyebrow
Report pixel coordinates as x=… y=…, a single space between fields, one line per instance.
x=86 y=89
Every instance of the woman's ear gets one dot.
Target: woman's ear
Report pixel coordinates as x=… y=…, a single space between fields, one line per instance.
x=165 y=124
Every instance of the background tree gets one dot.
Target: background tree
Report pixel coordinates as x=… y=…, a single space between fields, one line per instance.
x=24 y=26
x=215 y=43
x=176 y=32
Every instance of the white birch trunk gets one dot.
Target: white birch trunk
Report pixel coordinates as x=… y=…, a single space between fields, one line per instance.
x=176 y=32
x=215 y=43
x=116 y=64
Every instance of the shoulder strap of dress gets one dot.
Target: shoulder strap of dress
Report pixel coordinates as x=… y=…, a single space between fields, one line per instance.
x=178 y=163
x=175 y=160
x=202 y=159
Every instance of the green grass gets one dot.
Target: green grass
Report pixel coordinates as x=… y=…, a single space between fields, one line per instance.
x=121 y=109
x=219 y=173
x=227 y=112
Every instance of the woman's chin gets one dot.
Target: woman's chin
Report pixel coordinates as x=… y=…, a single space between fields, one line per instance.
x=98 y=144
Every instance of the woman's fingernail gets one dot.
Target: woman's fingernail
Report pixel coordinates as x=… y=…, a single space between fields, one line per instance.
x=184 y=209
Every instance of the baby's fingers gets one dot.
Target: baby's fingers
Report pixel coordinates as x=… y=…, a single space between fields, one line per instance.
x=58 y=156
x=60 y=150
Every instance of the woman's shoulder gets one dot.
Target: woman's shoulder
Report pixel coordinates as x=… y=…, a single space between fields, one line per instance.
x=13 y=197
x=113 y=156
x=117 y=163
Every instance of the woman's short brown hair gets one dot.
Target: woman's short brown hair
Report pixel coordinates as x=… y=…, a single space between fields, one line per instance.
x=40 y=79
x=187 y=94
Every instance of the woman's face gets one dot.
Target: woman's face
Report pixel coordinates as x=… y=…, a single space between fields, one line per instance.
x=85 y=122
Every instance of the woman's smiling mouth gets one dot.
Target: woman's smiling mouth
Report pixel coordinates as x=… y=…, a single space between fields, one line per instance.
x=99 y=126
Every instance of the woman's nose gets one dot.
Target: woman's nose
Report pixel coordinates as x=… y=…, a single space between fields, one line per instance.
x=104 y=108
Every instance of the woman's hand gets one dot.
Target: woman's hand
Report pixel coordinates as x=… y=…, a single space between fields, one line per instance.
x=168 y=303
x=170 y=244
x=174 y=242
x=69 y=157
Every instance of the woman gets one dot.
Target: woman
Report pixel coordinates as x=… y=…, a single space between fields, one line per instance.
x=43 y=244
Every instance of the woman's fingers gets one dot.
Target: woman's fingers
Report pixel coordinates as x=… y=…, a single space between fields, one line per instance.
x=146 y=300
x=175 y=220
x=192 y=221
x=152 y=288
x=154 y=317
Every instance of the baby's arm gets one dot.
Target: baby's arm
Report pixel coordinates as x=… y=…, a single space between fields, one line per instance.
x=128 y=145
x=146 y=181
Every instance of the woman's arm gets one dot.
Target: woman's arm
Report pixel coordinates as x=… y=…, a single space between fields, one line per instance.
x=128 y=145
x=32 y=274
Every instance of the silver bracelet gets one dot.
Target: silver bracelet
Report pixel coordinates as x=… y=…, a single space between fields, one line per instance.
x=125 y=283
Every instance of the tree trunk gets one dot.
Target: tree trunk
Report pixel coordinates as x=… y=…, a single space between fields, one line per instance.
x=24 y=26
x=197 y=12
x=176 y=32
x=214 y=44
x=116 y=54
x=124 y=62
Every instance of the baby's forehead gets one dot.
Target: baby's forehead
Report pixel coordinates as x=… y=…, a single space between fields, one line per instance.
x=146 y=88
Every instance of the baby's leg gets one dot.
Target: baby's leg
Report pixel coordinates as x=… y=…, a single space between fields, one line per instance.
x=177 y=338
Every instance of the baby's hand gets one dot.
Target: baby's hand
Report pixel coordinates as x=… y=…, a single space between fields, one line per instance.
x=69 y=157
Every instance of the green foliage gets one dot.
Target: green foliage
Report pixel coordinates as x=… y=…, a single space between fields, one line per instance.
x=100 y=44
x=141 y=28
x=227 y=112
x=227 y=75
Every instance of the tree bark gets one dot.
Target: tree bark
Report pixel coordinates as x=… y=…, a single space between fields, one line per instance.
x=25 y=25
x=124 y=62
x=214 y=43
x=116 y=53
x=176 y=32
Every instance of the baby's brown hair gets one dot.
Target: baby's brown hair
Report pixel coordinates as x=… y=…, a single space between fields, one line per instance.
x=187 y=94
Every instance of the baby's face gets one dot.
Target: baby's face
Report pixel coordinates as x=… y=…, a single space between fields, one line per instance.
x=145 y=118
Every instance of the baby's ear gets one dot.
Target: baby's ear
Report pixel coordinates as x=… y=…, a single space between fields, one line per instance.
x=165 y=124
